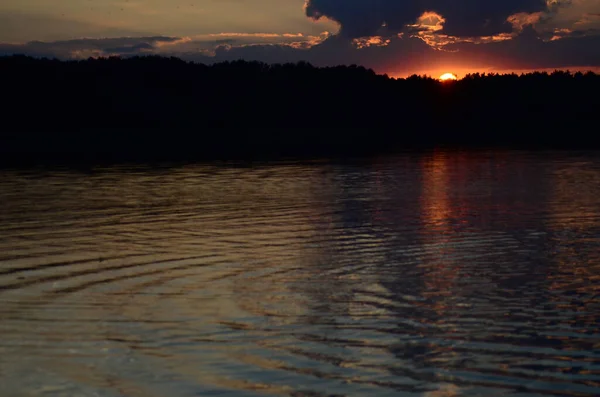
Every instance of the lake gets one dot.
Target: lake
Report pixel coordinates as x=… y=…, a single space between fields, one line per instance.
x=434 y=274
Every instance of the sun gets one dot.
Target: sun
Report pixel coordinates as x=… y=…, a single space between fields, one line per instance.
x=448 y=77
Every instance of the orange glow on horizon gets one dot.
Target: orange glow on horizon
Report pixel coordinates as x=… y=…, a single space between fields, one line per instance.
x=448 y=77
x=461 y=71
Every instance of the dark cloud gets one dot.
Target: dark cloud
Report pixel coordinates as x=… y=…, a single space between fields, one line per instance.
x=225 y=41
x=360 y=18
x=399 y=53
x=529 y=51
x=412 y=55
x=393 y=55
x=483 y=18
x=463 y=17
x=83 y=48
x=141 y=47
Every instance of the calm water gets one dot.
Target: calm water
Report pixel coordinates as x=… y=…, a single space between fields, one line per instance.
x=440 y=274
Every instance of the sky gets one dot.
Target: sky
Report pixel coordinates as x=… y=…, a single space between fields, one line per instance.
x=397 y=37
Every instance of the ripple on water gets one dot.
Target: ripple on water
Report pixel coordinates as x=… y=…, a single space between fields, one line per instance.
x=432 y=274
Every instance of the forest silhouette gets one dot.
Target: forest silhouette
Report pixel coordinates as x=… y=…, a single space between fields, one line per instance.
x=165 y=108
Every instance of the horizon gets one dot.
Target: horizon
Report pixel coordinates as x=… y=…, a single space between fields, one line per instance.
x=137 y=99
x=395 y=39
x=435 y=75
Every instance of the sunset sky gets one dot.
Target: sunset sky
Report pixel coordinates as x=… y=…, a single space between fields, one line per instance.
x=391 y=36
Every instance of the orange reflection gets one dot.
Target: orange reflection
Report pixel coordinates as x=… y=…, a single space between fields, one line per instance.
x=437 y=210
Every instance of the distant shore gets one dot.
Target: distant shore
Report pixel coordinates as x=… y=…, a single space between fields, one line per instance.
x=156 y=108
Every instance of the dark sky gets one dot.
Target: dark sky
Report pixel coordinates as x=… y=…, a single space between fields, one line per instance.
x=398 y=37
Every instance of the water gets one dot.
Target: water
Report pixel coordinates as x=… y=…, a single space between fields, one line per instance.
x=435 y=274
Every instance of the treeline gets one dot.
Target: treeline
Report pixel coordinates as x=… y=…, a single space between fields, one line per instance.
x=168 y=107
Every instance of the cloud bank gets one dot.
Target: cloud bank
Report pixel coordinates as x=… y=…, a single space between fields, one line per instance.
x=390 y=36
x=463 y=17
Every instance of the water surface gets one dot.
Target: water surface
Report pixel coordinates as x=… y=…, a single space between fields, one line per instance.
x=436 y=274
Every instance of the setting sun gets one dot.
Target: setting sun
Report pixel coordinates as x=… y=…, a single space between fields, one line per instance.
x=448 y=76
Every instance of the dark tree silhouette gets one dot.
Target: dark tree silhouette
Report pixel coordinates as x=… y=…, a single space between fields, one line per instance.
x=156 y=107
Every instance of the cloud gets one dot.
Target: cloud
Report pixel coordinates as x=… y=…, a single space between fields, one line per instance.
x=401 y=56
x=377 y=41
x=571 y=14
x=484 y=18
x=530 y=50
x=200 y=45
x=469 y=18
x=429 y=27
x=136 y=48
x=394 y=55
x=84 y=48
x=522 y=19
x=440 y=23
x=562 y=33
